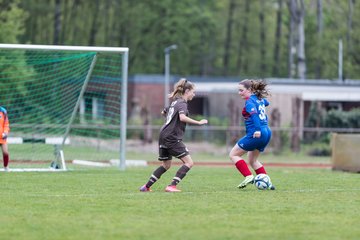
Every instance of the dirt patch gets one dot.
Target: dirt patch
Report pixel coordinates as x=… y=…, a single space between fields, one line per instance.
x=229 y=164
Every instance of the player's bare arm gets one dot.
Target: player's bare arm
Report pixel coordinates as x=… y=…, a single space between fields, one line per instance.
x=186 y=119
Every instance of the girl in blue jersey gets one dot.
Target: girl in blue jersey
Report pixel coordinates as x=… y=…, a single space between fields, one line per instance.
x=258 y=133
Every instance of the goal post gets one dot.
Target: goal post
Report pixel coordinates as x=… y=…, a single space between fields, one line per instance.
x=65 y=101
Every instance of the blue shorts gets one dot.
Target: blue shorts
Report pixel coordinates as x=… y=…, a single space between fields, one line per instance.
x=249 y=143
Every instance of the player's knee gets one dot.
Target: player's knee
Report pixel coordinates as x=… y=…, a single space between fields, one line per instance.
x=167 y=165
x=232 y=154
x=252 y=164
x=234 y=157
x=190 y=164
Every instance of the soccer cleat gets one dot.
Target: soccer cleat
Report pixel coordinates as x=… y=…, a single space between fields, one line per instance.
x=248 y=180
x=271 y=187
x=6 y=169
x=145 y=189
x=172 y=188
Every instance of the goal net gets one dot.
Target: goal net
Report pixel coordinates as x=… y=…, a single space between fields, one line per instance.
x=63 y=104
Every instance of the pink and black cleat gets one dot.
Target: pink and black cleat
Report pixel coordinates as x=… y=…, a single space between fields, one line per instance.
x=145 y=189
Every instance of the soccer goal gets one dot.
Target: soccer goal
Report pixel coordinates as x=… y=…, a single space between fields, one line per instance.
x=64 y=103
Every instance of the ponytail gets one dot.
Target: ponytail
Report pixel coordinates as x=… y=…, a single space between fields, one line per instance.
x=180 y=87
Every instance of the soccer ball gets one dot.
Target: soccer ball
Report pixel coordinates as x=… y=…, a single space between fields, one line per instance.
x=262 y=181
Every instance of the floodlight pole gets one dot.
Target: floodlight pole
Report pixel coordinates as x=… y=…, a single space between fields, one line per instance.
x=340 y=67
x=167 y=51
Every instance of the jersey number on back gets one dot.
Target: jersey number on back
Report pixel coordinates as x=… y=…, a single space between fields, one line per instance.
x=170 y=113
x=262 y=113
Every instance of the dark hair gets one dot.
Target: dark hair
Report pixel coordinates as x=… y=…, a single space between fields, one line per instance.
x=257 y=87
x=180 y=87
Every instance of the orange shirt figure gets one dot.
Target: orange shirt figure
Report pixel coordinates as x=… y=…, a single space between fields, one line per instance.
x=4 y=132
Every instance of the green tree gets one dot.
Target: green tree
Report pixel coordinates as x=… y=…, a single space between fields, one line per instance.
x=12 y=19
x=255 y=44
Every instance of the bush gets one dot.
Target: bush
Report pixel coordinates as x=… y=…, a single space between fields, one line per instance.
x=320 y=152
x=337 y=119
x=331 y=119
x=353 y=118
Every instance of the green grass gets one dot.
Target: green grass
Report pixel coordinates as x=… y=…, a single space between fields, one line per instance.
x=288 y=157
x=106 y=204
x=45 y=152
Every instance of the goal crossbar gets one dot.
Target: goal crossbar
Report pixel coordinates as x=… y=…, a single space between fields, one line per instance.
x=64 y=48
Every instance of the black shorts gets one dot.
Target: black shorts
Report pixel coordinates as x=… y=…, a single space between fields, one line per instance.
x=177 y=150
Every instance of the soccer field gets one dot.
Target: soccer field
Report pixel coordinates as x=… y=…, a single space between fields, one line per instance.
x=106 y=204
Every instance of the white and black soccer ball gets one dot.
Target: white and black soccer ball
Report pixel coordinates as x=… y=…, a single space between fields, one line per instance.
x=262 y=181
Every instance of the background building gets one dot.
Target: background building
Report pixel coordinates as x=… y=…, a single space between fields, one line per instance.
x=291 y=97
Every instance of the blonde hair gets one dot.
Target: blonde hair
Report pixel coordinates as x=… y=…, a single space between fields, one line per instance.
x=180 y=87
x=257 y=87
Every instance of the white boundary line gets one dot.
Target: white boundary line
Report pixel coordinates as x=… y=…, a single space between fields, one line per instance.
x=90 y=163
x=33 y=170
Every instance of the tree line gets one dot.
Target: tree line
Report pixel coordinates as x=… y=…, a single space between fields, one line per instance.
x=245 y=38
